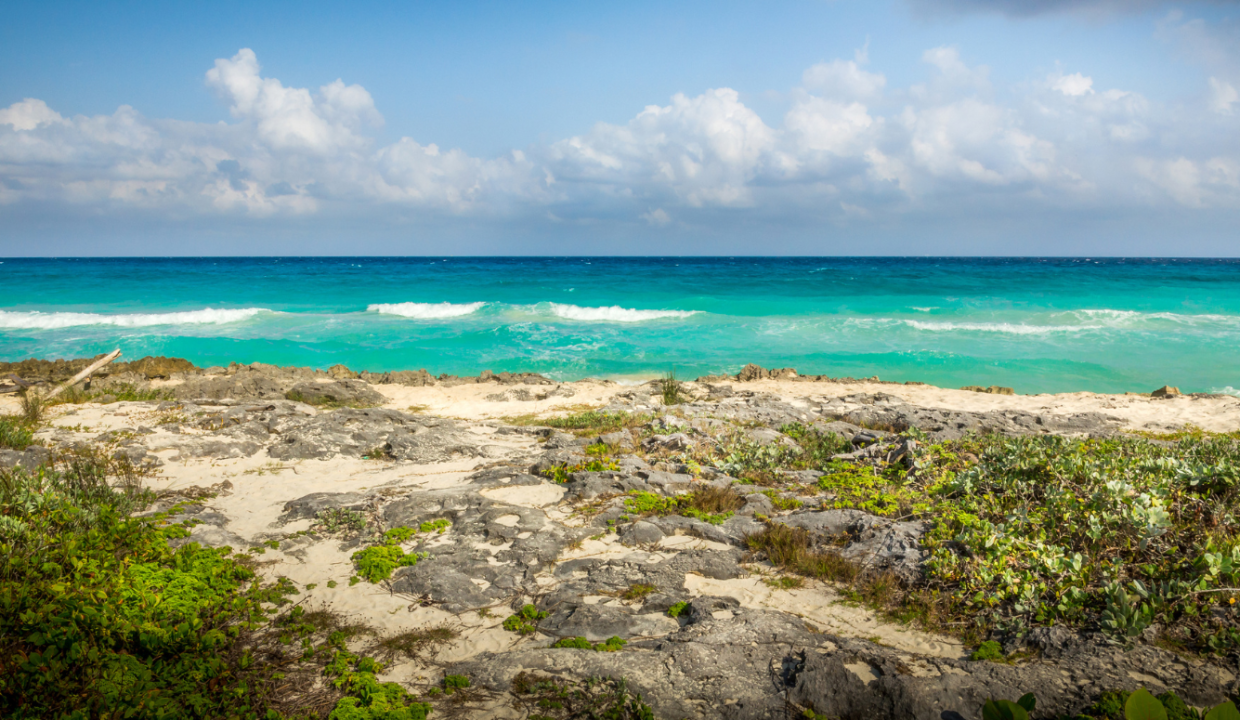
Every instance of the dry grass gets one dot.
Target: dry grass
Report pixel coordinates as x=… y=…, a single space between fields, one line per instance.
x=795 y=550
x=414 y=644
x=714 y=500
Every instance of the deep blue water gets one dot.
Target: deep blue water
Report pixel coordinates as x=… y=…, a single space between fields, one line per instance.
x=1039 y=325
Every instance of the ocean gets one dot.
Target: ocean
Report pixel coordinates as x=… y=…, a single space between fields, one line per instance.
x=1034 y=324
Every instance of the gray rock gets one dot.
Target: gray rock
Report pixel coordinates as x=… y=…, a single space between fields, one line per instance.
x=354 y=393
x=640 y=533
x=28 y=459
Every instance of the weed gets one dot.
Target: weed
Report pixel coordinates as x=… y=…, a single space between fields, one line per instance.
x=612 y=644
x=586 y=422
x=561 y=473
x=33 y=406
x=378 y=562
x=669 y=388
x=638 y=592
x=15 y=433
x=551 y=698
x=676 y=609
x=989 y=650
x=784 y=582
x=334 y=520
x=452 y=683
x=525 y=622
x=782 y=503
x=712 y=505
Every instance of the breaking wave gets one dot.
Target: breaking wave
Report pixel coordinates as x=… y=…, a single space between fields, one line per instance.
x=1012 y=328
x=426 y=311
x=615 y=313
x=35 y=320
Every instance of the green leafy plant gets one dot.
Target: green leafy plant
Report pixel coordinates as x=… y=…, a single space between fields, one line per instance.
x=340 y=520
x=525 y=621
x=378 y=562
x=638 y=592
x=452 y=683
x=676 y=609
x=989 y=650
x=15 y=433
x=712 y=505
x=1008 y=710
x=611 y=644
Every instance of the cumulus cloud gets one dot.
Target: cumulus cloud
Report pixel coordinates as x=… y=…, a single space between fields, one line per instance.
x=290 y=151
x=848 y=147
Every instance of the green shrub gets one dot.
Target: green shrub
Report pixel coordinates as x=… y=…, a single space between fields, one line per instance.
x=525 y=622
x=452 y=683
x=378 y=562
x=676 y=609
x=15 y=433
x=560 y=473
x=368 y=698
x=712 y=505
x=989 y=650
x=102 y=618
x=439 y=525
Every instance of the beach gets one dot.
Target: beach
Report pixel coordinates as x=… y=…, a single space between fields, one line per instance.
x=577 y=499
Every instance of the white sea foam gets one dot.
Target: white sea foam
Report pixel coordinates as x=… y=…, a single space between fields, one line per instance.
x=1133 y=317
x=426 y=311
x=615 y=313
x=1012 y=328
x=35 y=320
x=1229 y=390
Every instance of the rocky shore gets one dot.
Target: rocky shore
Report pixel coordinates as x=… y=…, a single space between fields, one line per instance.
x=592 y=521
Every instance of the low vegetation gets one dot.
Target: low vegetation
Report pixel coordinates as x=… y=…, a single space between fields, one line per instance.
x=102 y=616
x=15 y=432
x=712 y=505
x=1117 y=705
x=585 y=422
x=1118 y=535
x=525 y=621
x=544 y=697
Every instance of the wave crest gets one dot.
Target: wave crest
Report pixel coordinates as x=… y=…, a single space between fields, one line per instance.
x=615 y=313
x=426 y=311
x=1012 y=328
x=35 y=320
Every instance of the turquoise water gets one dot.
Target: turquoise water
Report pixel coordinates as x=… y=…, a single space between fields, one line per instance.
x=1038 y=325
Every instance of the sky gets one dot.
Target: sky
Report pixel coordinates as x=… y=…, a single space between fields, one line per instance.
x=816 y=127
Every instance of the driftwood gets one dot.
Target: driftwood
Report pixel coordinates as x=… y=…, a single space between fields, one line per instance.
x=85 y=373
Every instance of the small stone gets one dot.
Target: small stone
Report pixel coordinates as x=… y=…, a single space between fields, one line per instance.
x=1165 y=391
x=1000 y=390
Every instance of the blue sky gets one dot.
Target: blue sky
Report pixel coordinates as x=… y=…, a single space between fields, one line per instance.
x=827 y=127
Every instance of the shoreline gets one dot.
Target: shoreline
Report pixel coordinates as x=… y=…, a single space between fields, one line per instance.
x=156 y=368
x=491 y=396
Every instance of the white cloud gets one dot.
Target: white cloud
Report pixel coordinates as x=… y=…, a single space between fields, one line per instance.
x=704 y=150
x=1074 y=85
x=29 y=114
x=845 y=80
x=848 y=146
x=1222 y=96
x=657 y=217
